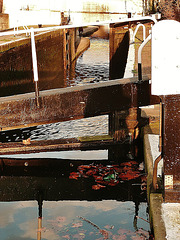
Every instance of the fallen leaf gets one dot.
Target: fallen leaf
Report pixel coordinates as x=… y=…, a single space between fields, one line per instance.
x=27 y=141
x=73 y=177
x=97 y=187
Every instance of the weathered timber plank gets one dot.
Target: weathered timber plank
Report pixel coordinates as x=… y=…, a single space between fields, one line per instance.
x=55 y=145
x=74 y=102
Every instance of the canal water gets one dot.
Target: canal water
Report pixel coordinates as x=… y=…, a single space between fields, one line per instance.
x=77 y=194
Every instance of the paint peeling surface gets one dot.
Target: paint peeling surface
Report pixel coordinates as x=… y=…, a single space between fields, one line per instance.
x=171 y=217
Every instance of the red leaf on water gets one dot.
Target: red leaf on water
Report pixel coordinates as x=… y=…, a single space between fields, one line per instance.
x=74 y=174
x=84 y=167
x=129 y=175
x=130 y=163
x=98 y=178
x=97 y=187
x=113 y=183
x=73 y=177
x=91 y=172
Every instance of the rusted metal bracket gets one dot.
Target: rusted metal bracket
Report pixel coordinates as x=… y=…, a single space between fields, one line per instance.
x=155 y=186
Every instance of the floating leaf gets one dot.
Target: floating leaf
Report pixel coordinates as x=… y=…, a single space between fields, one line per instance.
x=108 y=175
x=97 y=187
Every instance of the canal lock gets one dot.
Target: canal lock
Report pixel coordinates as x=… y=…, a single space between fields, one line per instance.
x=112 y=180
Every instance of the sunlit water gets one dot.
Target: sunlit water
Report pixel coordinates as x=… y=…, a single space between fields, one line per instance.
x=108 y=214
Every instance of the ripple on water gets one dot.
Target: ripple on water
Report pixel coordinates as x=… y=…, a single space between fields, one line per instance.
x=93 y=65
x=71 y=129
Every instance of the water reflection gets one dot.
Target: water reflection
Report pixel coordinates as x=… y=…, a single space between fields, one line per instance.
x=67 y=208
x=110 y=216
x=40 y=201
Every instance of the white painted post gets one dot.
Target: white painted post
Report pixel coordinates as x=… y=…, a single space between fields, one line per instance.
x=137 y=28
x=34 y=57
x=35 y=67
x=166 y=58
x=166 y=84
x=140 y=58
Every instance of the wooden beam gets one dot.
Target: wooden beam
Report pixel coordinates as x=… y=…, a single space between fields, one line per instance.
x=56 y=145
x=74 y=102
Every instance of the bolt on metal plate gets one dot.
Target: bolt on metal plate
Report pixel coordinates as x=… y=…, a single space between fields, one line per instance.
x=168 y=181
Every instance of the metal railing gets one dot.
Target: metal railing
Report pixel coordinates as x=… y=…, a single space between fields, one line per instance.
x=136 y=30
x=46 y=29
x=140 y=56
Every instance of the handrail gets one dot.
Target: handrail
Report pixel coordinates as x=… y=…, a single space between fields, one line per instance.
x=16 y=31
x=125 y=20
x=33 y=47
x=140 y=58
x=137 y=28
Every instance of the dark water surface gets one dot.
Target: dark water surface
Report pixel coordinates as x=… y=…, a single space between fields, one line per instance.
x=93 y=65
x=73 y=195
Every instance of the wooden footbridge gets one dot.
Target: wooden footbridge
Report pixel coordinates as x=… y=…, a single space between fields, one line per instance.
x=119 y=98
